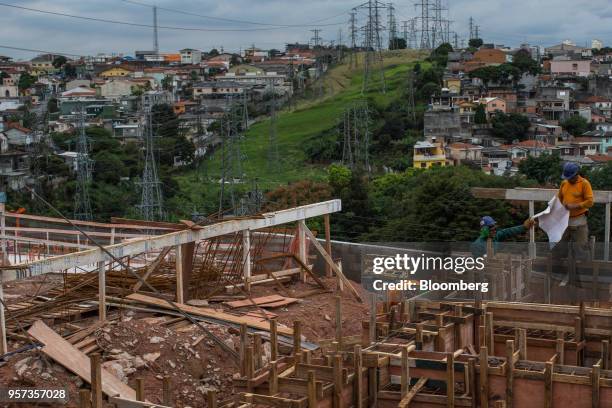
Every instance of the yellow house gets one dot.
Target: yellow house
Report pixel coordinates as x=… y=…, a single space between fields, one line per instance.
x=428 y=154
x=116 y=72
x=453 y=84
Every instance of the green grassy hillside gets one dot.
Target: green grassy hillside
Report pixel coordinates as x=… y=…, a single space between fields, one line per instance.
x=342 y=86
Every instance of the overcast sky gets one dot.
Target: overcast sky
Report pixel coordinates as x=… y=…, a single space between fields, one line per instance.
x=510 y=22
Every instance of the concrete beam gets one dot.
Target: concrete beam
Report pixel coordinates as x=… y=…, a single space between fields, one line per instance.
x=532 y=194
x=139 y=246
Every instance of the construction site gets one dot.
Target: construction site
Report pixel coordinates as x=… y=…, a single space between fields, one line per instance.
x=263 y=311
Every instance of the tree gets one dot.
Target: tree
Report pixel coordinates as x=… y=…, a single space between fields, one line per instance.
x=69 y=71
x=213 y=53
x=575 y=125
x=397 y=43
x=26 y=81
x=510 y=126
x=52 y=105
x=108 y=168
x=480 y=117
x=167 y=82
x=544 y=169
x=59 y=61
x=523 y=61
x=475 y=42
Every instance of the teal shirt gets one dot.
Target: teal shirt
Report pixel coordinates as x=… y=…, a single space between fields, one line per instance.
x=479 y=246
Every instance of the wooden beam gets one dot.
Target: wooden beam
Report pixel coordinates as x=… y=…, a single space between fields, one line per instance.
x=595 y=375
x=273 y=339
x=339 y=321
x=404 y=377
x=157 y=243
x=509 y=372
x=96 y=380
x=302 y=253
x=297 y=337
x=450 y=380
x=312 y=390
x=101 y=292
x=140 y=391
x=484 y=377
x=77 y=362
x=180 y=298
x=548 y=384
x=358 y=379
x=167 y=391
x=3 y=343
x=328 y=271
x=338 y=382
x=405 y=402
x=151 y=269
x=331 y=263
x=246 y=259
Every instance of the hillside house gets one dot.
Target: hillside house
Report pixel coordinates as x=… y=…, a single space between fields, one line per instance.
x=428 y=154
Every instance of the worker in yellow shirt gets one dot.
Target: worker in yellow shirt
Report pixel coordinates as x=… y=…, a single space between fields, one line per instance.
x=576 y=194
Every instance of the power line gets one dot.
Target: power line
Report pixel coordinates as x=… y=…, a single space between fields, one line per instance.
x=40 y=51
x=230 y=20
x=132 y=24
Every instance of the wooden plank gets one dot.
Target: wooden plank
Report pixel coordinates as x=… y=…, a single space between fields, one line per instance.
x=405 y=402
x=332 y=264
x=152 y=268
x=484 y=377
x=595 y=375
x=450 y=380
x=127 y=403
x=286 y=301
x=254 y=301
x=206 y=312
x=548 y=385
x=74 y=360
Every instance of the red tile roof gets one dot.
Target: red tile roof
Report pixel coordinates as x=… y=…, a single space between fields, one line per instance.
x=534 y=144
x=600 y=158
x=460 y=145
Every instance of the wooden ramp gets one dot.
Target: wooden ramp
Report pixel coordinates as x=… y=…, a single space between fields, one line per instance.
x=76 y=361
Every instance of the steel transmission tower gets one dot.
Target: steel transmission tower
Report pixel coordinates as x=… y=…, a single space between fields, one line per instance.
x=273 y=156
x=231 y=130
x=372 y=44
x=425 y=24
x=353 y=34
x=316 y=39
x=155 y=36
x=355 y=127
x=82 y=203
x=412 y=37
x=151 y=200
x=471 y=28
x=391 y=26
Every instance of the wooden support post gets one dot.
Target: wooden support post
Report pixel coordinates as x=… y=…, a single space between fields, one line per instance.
x=338 y=383
x=273 y=379
x=250 y=367
x=559 y=349
x=548 y=384
x=450 y=380
x=521 y=341
x=484 y=378
x=605 y=354
x=302 y=247
x=500 y=404
x=373 y=318
x=297 y=337
x=211 y=399
x=490 y=333
x=358 y=380
x=307 y=357
x=101 y=292
x=328 y=271
x=532 y=247
x=84 y=398
x=243 y=345
x=273 y=339
x=246 y=259
x=179 y=274
x=257 y=351
x=595 y=375
x=166 y=391
x=419 y=336
x=3 y=343
x=373 y=386
x=312 y=390
x=404 y=377
x=472 y=389
x=339 y=321
x=607 y=232
x=140 y=391
x=96 y=380
x=509 y=372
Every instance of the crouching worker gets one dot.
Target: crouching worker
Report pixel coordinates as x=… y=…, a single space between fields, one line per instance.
x=488 y=229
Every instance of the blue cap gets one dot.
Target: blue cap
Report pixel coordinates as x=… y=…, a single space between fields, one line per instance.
x=570 y=170
x=487 y=221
